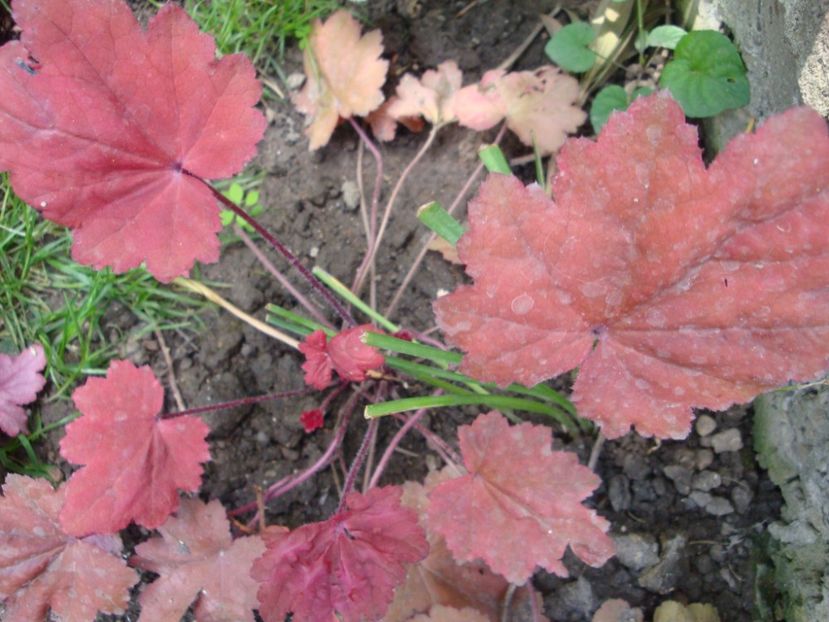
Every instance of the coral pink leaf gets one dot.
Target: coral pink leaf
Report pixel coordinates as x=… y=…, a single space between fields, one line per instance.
x=520 y=504
x=351 y=357
x=670 y=286
x=345 y=75
x=198 y=561
x=20 y=381
x=431 y=97
x=318 y=367
x=345 y=568
x=539 y=106
x=105 y=134
x=43 y=568
x=134 y=461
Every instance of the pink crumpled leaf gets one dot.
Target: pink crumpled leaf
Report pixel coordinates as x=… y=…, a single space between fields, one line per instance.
x=344 y=568
x=432 y=96
x=345 y=353
x=42 y=568
x=20 y=382
x=102 y=134
x=198 y=561
x=345 y=75
x=539 y=106
x=519 y=506
x=134 y=462
x=668 y=285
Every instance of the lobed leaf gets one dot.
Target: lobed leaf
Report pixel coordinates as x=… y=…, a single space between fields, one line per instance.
x=670 y=286
x=20 y=382
x=432 y=96
x=345 y=75
x=344 y=568
x=519 y=506
x=133 y=461
x=110 y=129
x=43 y=568
x=198 y=562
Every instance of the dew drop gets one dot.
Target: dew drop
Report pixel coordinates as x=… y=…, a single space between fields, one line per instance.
x=755 y=161
x=521 y=305
x=42 y=204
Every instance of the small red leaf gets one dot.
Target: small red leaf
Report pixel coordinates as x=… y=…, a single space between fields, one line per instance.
x=670 y=286
x=311 y=420
x=101 y=135
x=198 y=561
x=134 y=461
x=346 y=353
x=346 y=567
x=43 y=568
x=520 y=505
x=20 y=381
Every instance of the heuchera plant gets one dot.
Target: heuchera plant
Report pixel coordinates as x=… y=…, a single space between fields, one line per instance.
x=668 y=285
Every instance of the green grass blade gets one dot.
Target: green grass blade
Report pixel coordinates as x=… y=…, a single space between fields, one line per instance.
x=299 y=321
x=401 y=346
x=337 y=286
x=494 y=160
x=441 y=222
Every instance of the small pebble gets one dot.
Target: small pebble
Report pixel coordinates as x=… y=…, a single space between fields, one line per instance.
x=294 y=81
x=635 y=466
x=636 y=551
x=700 y=498
x=351 y=195
x=313 y=252
x=680 y=476
x=618 y=491
x=719 y=506
x=705 y=425
x=741 y=498
x=663 y=576
x=704 y=458
x=707 y=480
x=727 y=440
x=262 y=438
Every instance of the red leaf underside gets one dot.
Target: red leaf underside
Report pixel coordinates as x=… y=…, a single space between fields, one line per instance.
x=20 y=382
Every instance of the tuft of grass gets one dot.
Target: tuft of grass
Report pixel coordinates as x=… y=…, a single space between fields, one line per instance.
x=46 y=297
x=259 y=28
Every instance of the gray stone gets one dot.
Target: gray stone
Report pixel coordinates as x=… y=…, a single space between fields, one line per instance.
x=575 y=599
x=703 y=459
x=618 y=491
x=680 y=476
x=351 y=195
x=635 y=466
x=700 y=498
x=636 y=551
x=741 y=496
x=719 y=506
x=727 y=440
x=661 y=578
x=705 y=425
x=707 y=480
x=295 y=81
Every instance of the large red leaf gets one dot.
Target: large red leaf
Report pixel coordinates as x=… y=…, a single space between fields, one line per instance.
x=198 y=561
x=519 y=506
x=345 y=568
x=134 y=460
x=99 y=134
x=670 y=286
x=42 y=567
x=20 y=381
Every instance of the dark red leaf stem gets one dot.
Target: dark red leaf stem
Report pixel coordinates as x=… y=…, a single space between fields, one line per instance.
x=357 y=463
x=283 y=250
x=240 y=402
x=411 y=420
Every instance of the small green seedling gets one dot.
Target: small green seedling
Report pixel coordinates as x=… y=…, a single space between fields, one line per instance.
x=568 y=48
x=249 y=200
x=610 y=98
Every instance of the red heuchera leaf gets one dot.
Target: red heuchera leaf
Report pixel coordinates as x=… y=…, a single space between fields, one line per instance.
x=134 y=461
x=346 y=353
x=347 y=566
x=520 y=505
x=431 y=97
x=198 y=560
x=670 y=286
x=42 y=567
x=539 y=106
x=311 y=420
x=439 y=579
x=344 y=72
x=20 y=381
x=101 y=135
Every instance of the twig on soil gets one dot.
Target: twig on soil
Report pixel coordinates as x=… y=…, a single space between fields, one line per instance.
x=212 y=296
x=171 y=374
x=395 y=301
x=283 y=280
x=596 y=451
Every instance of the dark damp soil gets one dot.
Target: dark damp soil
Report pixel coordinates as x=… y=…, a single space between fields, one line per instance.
x=685 y=514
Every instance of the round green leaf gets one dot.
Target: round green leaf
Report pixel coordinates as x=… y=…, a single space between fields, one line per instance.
x=568 y=49
x=706 y=75
x=610 y=98
x=665 y=36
